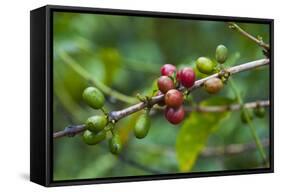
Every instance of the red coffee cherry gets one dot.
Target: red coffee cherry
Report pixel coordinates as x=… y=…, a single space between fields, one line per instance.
x=173 y=98
x=161 y=103
x=174 y=116
x=168 y=69
x=186 y=77
x=165 y=83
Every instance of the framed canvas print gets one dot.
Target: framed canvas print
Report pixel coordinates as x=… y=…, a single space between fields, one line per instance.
x=122 y=95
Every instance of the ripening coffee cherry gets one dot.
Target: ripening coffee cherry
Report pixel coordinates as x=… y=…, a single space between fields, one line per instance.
x=93 y=97
x=244 y=114
x=174 y=115
x=221 y=54
x=165 y=83
x=168 y=69
x=174 y=98
x=259 y=112
x=92 y=138
x=161 y=103
x=96 y=123
x=213 y=85
x=186 y=77
x=115 y=145
x=205 y=65
x=142 y=126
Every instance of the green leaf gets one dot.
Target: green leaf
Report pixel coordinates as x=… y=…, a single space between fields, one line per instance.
x=195 y=131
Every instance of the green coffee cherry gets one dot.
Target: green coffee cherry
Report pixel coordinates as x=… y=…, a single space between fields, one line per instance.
x=259 y=112
x=221 y=54
x=92 y=138
x=115 y=145
x=244 y=114
x=142 y=126
x=96 y=123
x=93 y=97
x=205 y=65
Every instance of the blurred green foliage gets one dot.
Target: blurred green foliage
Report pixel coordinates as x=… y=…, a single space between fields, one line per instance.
x=125 y=54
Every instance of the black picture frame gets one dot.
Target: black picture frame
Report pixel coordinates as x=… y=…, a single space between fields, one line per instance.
x=41 y=99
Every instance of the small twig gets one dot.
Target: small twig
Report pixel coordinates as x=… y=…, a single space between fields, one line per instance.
x=207 y=109
x=249 y=36
x=209 y=151
x=70 y=131
x=233 y=107
x=232 y=149
x=117 y=115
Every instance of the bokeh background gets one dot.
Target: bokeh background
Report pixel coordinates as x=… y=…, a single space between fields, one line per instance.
x=125 y=53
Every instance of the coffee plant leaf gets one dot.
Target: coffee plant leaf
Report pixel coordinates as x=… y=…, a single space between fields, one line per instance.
x=194 y=133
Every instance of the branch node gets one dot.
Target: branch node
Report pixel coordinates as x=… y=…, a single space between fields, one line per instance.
x=224 y=75
x=112 y=116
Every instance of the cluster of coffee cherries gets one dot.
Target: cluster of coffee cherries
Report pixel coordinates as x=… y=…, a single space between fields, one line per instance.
x=206 y=66
x=97 y=126
x=168 y=84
